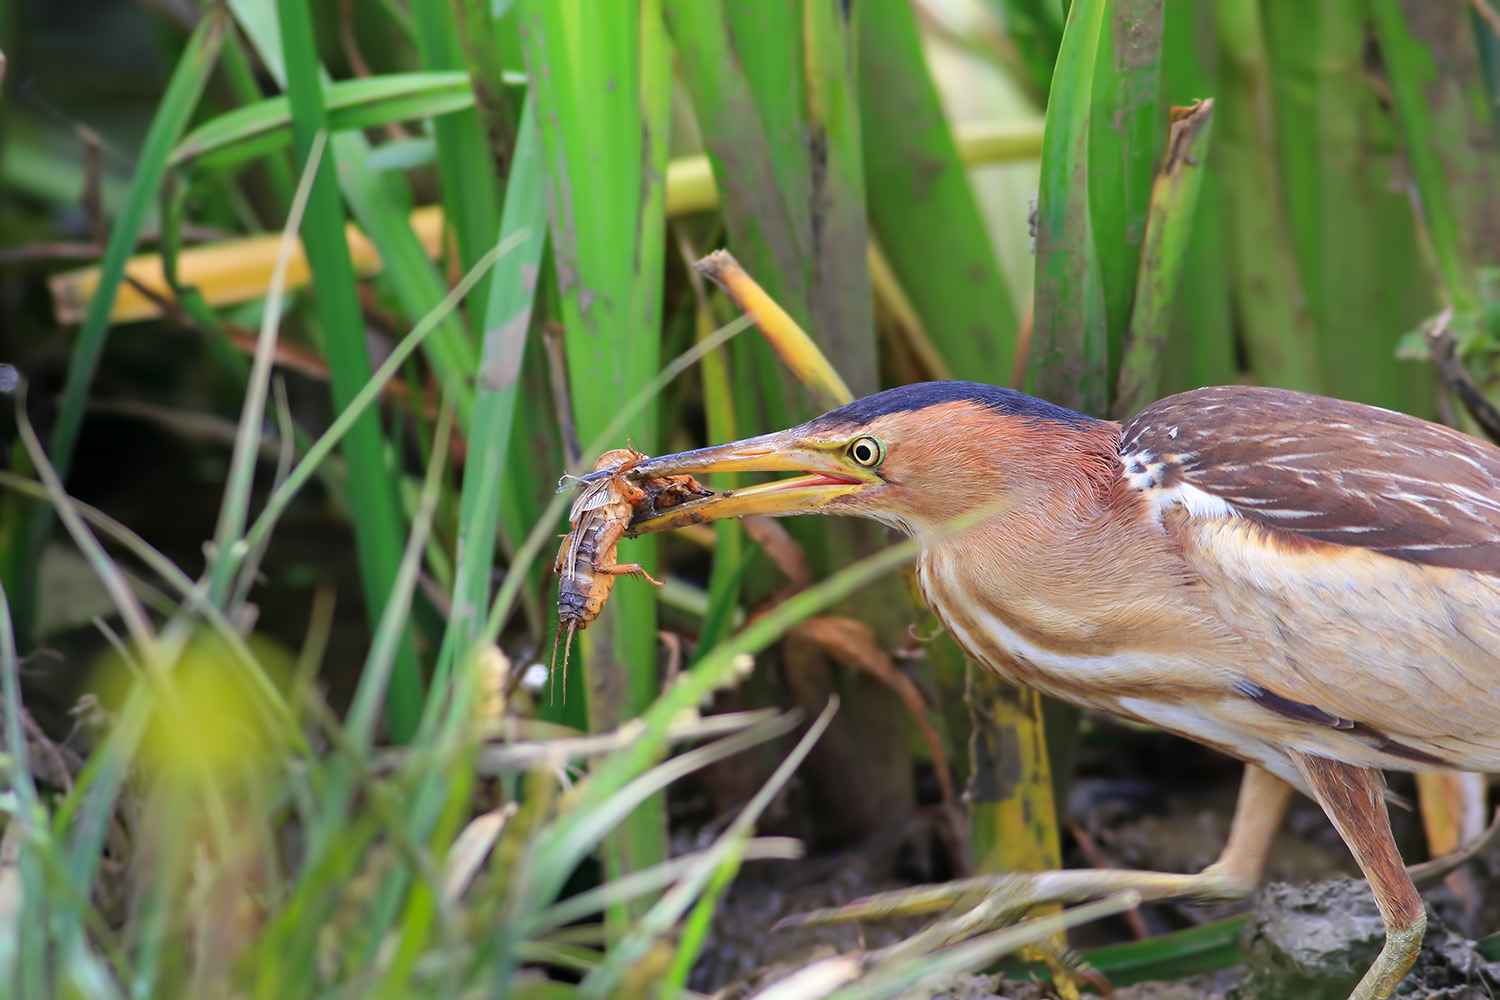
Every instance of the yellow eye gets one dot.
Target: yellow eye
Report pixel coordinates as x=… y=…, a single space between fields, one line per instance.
x=866 y=451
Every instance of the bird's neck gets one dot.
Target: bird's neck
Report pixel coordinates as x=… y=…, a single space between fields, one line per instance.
x=1075 y=563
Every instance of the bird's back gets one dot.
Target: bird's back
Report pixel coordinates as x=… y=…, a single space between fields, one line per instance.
x=1355 y=551
x=1325 y=470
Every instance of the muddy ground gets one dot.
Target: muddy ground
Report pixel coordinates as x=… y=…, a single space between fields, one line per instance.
x=1312 y=931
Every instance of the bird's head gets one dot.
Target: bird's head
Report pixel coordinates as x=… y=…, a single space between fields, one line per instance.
x=916 y=457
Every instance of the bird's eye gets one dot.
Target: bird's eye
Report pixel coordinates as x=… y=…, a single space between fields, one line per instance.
x=866 y=451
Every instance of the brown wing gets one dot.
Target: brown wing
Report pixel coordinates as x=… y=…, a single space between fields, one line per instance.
x=1325 y=470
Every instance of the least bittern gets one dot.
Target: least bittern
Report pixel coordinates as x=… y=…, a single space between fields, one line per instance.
x=1309 y=585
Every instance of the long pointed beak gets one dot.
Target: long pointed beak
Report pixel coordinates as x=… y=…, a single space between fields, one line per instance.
x=826 y=476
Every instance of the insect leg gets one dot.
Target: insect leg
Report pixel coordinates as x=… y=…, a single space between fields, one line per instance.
x=628 y=569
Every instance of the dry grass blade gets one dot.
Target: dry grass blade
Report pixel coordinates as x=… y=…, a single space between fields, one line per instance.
x=781 y=548
x=817 y=980
x=236 y=500
x=470 y=848
x=110 y=574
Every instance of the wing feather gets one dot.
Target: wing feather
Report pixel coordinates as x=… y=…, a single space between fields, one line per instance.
x=1323 y=470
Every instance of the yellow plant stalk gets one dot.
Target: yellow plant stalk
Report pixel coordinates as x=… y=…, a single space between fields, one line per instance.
x=239 y=270
x=225 y=273
x=790 y=341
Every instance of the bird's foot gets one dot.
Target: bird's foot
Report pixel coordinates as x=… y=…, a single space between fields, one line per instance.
x=1393 y=962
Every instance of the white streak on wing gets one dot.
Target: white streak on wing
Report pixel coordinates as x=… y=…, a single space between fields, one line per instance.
x=1470 y=461
x=1292 y=457
x=1483 y=499
x=1196 y=501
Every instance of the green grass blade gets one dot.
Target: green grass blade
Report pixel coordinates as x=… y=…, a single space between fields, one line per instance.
x=802 y=238
x=371 y=102
x=241 y=77
x=1125 y=144
x=470 y=190
x=420 y=900
x=359 y=406
x=511 y=298
x=23 y=556
x=23 y=946
x=1346 y=203
x=1174 y=203
x=385 y=644
x=728 y=848
x=733 y=60
x=1069 y=352
x=1267 y=285
x=921 y=204
x=842 y=307
x=602 y=77
x=1177 y=955
x=1200 y=345
x=378 y=523
x=483 y=40
x=696 y=927
x=730 y=561
x=1035 y=28
x=382 y=204
x=1438 y=90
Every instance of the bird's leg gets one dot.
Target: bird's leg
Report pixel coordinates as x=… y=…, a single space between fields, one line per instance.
x=1354 y=799
x=991 y=899
x=1257 y=815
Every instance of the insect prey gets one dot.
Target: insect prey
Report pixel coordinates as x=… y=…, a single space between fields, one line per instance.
x=586 y=566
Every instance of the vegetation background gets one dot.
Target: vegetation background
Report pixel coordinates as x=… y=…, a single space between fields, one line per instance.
x=276 y=527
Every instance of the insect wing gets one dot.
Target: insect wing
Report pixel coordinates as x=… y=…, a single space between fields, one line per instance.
x=593 y=498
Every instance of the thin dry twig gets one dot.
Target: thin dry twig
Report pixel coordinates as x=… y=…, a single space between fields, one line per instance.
x=1099 y=859
x=1429 y=873
x=92 y=196
x=1443 y=346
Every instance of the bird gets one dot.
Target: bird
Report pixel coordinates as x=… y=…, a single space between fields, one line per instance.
x=1307 y=584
